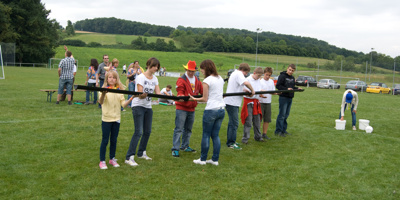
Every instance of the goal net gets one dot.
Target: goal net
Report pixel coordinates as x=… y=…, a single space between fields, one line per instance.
x=1 y=63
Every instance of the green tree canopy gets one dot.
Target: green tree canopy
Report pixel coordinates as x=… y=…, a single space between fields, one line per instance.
x=26 y=23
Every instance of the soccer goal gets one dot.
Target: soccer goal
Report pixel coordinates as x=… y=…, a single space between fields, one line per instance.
x=2 y=67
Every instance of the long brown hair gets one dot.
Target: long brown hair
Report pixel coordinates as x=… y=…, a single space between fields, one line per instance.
x=209 y=68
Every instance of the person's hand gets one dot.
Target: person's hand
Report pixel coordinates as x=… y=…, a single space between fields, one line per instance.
x=290 y=88
x=262 y=96
x=143 y=96
x=86 y=82
x=354 y=111
x=191 y=98
x=342 y=118
x=97 y=84
x=65 y=48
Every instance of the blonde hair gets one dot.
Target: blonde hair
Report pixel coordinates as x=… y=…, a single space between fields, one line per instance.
x=118 y=82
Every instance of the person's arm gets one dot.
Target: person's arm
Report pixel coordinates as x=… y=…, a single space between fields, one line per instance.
x=157 y=89
x=102 y=97
x=140 y=89
x=204 y=98
x=355 y=96
x=248 y=85
x=342 y=106
x=59 y=72
x=126 y=103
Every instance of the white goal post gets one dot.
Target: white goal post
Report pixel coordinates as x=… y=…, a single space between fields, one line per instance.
x=2 y=67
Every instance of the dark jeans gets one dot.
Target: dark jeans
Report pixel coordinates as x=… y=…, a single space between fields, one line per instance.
x=353 y=115
x=285 y=104
x=233 y=124
x=110 y=132
x=212 y=120
x=142 y=118
x=94 y=93
x=183 y=127
x=131 y=87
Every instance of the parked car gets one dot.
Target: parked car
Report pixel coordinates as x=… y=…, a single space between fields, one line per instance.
x=304 y=80
x=396 y=89
x=356 y=85
x=328 y=83
x=376 y=87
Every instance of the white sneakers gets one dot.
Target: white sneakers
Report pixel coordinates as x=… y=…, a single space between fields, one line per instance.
x=354 y=128
x=131 y=161
x=199 y=162
x=212 y=162
x=144 y=156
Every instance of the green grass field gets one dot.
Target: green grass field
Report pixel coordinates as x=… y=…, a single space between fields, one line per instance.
x=109 y=39
x=52 y=151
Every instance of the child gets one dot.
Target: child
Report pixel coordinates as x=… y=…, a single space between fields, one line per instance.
x=142 y=113
x=167 y=92
x=251 y=110
x=214 y=113
x=266 y=85
x=111 y=117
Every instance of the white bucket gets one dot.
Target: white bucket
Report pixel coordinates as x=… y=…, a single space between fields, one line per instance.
x=362 y=124
x=340 y=125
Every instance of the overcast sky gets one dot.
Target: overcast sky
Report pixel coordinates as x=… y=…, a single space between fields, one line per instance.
x=357 y=25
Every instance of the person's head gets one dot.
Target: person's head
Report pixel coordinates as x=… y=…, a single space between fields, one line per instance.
x=291 y=69
x=94 y=63
x=105 y=58
x=267 y=73
x=245 y=68
x=349 y=97
x=111 y=79
x=168 y=88
x=190 y=68
x=136 y=64
x=258 y=72
x=68 y=53
x=115 y=62
x=208 y=68
x=153 y=64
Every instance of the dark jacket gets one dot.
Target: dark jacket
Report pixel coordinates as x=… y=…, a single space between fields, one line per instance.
x=284 y=82
x=183 y=88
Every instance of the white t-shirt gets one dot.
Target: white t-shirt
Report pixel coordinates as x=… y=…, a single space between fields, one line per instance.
x=235 y=84
x=215 y=92
x=124 y=67
x=256 y=86
x=192 y=81
x=149 y=86
x=267 y=86
x=163 y=92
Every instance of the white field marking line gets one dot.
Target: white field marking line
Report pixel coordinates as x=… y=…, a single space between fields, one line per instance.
x=63 y=118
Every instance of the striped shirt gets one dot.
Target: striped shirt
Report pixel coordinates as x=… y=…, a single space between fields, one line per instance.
x=67 y=68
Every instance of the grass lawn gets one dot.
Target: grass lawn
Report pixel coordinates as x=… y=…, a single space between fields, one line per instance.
x=52 y=151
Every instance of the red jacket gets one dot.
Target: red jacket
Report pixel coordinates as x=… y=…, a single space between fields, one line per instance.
x=183 y=88
x=256 y=109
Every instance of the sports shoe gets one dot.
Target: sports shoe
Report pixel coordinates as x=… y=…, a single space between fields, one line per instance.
x=237 y=144
x=69 y=103
x=354 y=128
x=113 y=162
x=175 y=153
x=131 y=161
x=265 y=136
x=234 y=146
x=103 y=165
x=188 y=149
x=212 y=162
x=57 y=102
x=144 y=156
x=198 y=161
x=286 y=133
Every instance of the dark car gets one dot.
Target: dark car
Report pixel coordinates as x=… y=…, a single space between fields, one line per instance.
x=396 y=89
x=356 y=85
x=306 y=80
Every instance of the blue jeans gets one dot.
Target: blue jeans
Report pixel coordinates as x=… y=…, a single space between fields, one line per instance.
x=285 y=104
x=212 y=120
x=110 y=132
x=65 y=82
x=353 y=115
x=142 y=118
x=183 y=127
x=94 y=93
x=233 y=124
x=131 y=87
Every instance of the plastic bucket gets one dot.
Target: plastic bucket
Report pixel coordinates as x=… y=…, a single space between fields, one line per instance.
x=362 y=124
x=340 y=125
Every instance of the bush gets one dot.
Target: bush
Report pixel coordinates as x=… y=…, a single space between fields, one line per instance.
x=94 y=44
x=77 y=43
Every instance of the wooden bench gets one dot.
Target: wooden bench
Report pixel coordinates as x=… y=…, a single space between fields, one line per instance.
x=50 y=92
